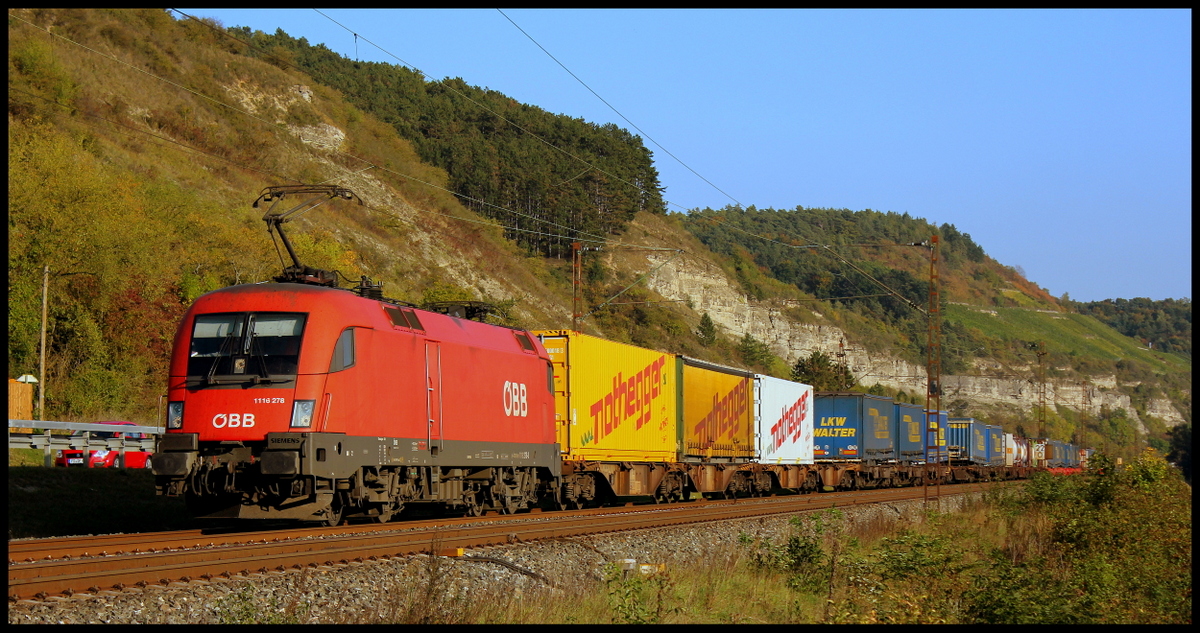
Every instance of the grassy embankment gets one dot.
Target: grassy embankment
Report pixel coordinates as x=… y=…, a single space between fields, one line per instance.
x=1096 y=549
x=1100 y=548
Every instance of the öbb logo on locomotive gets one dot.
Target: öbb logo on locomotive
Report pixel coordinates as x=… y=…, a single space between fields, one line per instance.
x=515 y=400
x=233 y=420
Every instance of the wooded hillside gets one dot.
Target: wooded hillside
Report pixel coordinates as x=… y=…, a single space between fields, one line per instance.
x=525 y=167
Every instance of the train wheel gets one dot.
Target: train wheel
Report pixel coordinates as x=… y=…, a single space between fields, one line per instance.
x=334 y=517
x=510 y=505
x=471 y=501
x=386 y=513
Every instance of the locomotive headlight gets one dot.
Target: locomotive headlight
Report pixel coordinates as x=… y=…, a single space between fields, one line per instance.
x=174 y=415
x=302 y=413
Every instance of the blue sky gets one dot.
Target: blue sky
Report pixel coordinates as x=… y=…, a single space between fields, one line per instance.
x=1060 y=140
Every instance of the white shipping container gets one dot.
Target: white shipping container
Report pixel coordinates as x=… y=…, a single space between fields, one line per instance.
x=783 y=421
x=1010 y=450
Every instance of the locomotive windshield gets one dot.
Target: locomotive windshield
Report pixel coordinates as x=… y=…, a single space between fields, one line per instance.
x=245 y=345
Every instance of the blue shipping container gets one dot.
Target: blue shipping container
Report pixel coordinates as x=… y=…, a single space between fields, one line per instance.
x=967 y=441
x=909 y=421
x=937 y=435
x=995 y=442
x=853 y=427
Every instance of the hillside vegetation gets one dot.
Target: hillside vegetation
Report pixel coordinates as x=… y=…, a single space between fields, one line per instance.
x=494 y=149
x=137 y=144
x=1164 y=325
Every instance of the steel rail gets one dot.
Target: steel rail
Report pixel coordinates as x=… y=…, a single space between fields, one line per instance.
x=299 y=548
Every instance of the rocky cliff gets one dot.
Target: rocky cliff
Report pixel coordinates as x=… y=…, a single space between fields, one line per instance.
x=710 y=290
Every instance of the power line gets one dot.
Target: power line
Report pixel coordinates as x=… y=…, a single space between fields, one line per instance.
x=610 y=106
x=595 y=238
x=277 y=126
x=493 y=112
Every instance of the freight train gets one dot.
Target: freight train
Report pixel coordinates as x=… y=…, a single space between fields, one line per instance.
x=301 y=400
x=310 y=402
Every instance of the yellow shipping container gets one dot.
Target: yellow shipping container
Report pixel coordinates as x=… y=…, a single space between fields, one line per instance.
x=718 y=412
x=615 y=402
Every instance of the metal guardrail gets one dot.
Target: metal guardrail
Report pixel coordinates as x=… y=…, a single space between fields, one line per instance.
x=50 y=444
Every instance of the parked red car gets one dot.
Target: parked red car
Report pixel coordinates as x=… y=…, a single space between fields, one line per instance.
x=102 y=458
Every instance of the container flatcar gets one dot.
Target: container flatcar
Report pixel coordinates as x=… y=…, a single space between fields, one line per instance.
x=995 y=444
x=617 y=415
x=967 y=441
x=937 y=437
x=717 y=412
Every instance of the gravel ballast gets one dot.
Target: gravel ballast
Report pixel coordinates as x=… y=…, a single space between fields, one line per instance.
x=398 y=590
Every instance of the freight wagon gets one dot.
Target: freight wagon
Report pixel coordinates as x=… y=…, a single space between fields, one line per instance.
x=937 y=437
x=854 y=442
x=995 y=444
x=634 y=422
x=617 y=419
x=966 y=441
x=853 y=427
x=784 y=428
x=1016 y=451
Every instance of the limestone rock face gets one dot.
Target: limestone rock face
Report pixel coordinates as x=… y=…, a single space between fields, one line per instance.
x=710 y=290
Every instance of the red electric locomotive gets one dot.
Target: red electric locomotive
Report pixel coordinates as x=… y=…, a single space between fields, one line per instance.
x=299 y=401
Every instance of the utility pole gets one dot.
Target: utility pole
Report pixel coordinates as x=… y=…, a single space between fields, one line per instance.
x=577 y=250
x=576 y=282
x=933 y=374
x=42 y=362
x=1041 y=352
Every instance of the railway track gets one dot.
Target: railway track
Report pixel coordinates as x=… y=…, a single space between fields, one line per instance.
x=41 y=568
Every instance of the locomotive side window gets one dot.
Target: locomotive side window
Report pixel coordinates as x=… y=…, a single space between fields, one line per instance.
x=396 y=316
x=413 y=321
x=343 y=352
x=246 y=343
x=276 y=339
x=526 y=344
x=403 y=318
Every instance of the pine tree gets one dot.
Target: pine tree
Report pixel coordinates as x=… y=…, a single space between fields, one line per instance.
x=754 y=352
x=822 y=373
x=707 y=333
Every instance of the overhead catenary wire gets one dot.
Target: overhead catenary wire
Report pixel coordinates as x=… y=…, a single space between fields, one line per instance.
x=590 y=166
x=581 y=236
x=423 y=74
x=370 y=165
x=577 y=232
x=491 y=111
x=610 y=106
